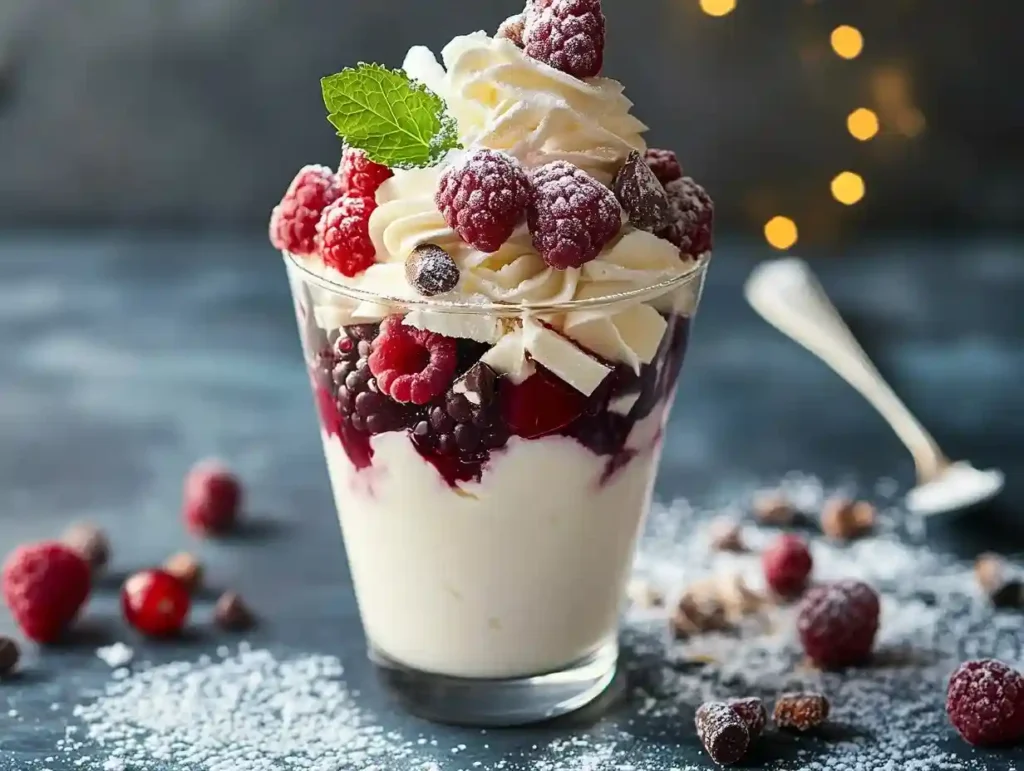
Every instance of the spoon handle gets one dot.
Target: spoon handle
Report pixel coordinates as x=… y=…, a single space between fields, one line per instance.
x=788 y=296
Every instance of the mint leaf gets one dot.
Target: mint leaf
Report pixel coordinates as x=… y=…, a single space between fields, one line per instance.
x=390 y=117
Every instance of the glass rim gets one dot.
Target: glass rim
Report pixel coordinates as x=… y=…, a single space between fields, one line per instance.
x=493 y=308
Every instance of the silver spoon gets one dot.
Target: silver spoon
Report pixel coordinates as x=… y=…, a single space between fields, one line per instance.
x=786 y=293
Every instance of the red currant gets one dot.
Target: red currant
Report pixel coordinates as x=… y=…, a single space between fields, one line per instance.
x=213 y=496
x=155 y=602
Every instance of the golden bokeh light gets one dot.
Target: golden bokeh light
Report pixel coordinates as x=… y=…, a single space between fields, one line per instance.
x=847 y=41
x=781 y=232
x=848 y=187
x=718 y=7
x=862 y=124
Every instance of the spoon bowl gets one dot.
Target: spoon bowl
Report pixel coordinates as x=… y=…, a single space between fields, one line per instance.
x=958 y=487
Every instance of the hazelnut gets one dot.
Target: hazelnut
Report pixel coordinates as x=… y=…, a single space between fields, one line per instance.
x=727 y=535
x=843 y=519
x=773 y=508
x=187 y=569
x=89 y=542
x=990 y=570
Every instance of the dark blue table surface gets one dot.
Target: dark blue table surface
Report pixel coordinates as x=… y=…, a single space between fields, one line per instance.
x=127 y=357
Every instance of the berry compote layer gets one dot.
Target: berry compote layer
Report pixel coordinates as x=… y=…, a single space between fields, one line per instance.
x=495 y=290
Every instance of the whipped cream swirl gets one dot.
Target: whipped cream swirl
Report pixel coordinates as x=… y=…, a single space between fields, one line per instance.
x=504 y=100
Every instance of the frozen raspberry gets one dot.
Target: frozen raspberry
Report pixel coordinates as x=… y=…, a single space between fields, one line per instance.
x=212 y=499
x=691 y=215
x=540 y=405
x=359 y=176
x=412 y=365
x=664 y=164
x=572 y=216
x=837 y=623
x=642 y=196
x=155 y=602
x=484 y=197
x=293 y=223
x=45 y=585
x=787 y=565
x=753 y=712
x=566 y=34
x=512 y=29
x=343 y=235
x=467 y=421
x=985 y=702
x=359 y=401
x=723 y=732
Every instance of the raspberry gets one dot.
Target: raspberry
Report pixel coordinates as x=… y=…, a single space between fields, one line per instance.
x=45 y=585
x=572 y=216
x=213 y=497
x=343 y=235
x=484 y=197
x=359 y=401
x=985 y=702
x=837 y=623
x=540 y=405
x=293 y=223
x=787 y=565
x=753 y=713
x=467 y=421
x=723 y=732
x=691 y=215
x=359 y=176
x=412 y=365
x=155 y=602
x=566 y=34
x=664 y=164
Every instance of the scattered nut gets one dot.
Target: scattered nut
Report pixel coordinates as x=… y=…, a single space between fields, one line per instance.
x=90 y=542
x=990 y=570
x=726 y=535
x=9 y=655
x=801 y=711
x=753 y=713
x=232 y=613
x=774 y=508
x=698 y=613
x=739 y=599
x=186 y=569
x=843 y=519
x=723 y=732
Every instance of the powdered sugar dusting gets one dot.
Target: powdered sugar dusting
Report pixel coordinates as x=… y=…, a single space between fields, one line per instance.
x=252 y=710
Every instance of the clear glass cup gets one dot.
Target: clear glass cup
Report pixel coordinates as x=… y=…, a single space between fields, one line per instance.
x=490 y=550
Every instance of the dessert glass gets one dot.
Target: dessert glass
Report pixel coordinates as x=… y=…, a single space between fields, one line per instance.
x=490 y=583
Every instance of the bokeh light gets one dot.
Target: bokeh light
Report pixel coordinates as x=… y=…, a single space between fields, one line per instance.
x=717 y=7
x=862 y=124
x=847 y=41
x=781 y=232
x=848 y=187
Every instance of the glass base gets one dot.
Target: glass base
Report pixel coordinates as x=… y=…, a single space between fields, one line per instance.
x=496 y=703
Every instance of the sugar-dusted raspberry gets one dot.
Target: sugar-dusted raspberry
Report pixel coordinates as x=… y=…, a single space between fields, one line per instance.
x=467 y=420
x=664 y=164
x=343 y=235
x=572 y=216
x=293 y=223
x=45 y=585
x=985 y=702
x=359 y=176
x=642 y=196
x=787 y=565
x=723 y=732
x=412 y=365
x=753 y=712
x=837 y=623
x=569 y=35
x=801 y=711
x=359 y=401
x=212 y=498
x=691 y=215
x=483 y=197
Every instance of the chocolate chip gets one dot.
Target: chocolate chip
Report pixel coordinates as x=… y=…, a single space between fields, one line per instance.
x=89 y=542
x=232 y=614
x=431 y=270
x=801 y=711
x=479 y=385
x=186 y=569
x=641 y=195
x=753 y=713
x=723 y=732
x=512 y=29
x=9 y=655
